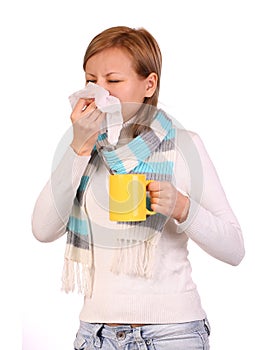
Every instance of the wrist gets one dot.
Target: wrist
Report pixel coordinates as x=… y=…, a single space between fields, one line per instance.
x=81 y=151
x=182 y=208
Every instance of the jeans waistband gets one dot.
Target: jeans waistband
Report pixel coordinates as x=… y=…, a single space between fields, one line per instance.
x=155 y=331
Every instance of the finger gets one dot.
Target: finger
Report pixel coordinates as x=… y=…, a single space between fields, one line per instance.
x=90 y=105
x=92 y=122
x=94 y=116
x=154 y=194
x=101 y=116
x=154 y=200
x=86 y=116
x=80 y=105
x=154 y=186
x=93 y=113
x=157 y=208
x=89 y=101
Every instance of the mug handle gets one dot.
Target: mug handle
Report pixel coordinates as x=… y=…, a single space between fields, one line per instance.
x=149 y=212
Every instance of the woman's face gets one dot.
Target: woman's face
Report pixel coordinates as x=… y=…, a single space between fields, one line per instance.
x=113 y=70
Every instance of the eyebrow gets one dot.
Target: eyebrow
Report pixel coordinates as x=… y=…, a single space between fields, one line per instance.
x=110 y=73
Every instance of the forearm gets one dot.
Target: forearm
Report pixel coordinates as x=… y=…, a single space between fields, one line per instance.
x=219 y=234
x=53 y=206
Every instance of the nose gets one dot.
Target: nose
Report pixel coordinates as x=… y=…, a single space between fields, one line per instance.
x=101 y=82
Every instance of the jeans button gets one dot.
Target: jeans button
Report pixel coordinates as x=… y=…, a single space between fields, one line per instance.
x=121 y=335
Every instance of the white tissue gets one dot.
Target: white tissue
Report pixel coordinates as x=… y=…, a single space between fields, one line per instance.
x=105 y=103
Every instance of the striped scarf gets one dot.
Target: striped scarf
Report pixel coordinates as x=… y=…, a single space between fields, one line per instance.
x=151 y=153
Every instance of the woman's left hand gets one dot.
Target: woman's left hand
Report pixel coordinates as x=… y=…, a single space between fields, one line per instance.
x=167 y=200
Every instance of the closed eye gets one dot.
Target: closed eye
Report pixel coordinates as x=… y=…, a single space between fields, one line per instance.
x=111 y=81
x=114 y=81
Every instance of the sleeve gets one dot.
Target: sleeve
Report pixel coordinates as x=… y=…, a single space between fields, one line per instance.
x=211 y=222
x=53 y=206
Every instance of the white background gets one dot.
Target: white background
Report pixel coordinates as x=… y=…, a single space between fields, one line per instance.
x=208 y=84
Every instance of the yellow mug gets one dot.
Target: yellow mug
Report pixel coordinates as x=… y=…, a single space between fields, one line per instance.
x=127 y=197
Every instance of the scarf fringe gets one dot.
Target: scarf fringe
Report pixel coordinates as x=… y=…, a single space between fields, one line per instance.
x=135 y=259
x=77 y=275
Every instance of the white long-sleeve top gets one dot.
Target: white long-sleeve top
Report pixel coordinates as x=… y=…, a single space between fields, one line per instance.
x=170 y=296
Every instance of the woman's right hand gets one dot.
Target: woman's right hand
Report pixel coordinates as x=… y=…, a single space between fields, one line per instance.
x=86 y=126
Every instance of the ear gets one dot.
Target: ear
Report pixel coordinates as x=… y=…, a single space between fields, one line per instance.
x=151 y=84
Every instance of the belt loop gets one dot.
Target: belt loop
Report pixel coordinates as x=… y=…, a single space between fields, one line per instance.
x=137 y=334
x=97 y=339
x=207 y=326
x=140 y=341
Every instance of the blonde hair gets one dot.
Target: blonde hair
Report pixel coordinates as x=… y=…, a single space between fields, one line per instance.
x=141 y=46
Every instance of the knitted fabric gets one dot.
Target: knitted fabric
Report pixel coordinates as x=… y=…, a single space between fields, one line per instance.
x=151 y=153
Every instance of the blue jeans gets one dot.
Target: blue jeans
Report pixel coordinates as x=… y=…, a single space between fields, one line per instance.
x=180 y=336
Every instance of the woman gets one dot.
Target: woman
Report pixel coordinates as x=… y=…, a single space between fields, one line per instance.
x=136 y=276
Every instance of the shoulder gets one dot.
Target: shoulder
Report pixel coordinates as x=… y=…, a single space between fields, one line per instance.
x=187 y=138
x=186 y=133
x=191 y=152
